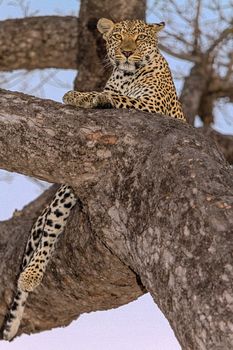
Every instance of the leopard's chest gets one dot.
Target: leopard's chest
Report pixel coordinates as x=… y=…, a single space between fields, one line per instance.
x=132 y=85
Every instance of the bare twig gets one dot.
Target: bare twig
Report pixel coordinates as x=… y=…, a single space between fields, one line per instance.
x=223 y=35
x=181 y=55
x=196 y=28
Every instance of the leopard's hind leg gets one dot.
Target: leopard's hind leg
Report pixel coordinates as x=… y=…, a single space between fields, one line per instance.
x=43 y=236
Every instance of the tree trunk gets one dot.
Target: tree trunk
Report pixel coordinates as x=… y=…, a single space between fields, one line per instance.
x=195 y=101
x=155 y=196
x=194 y=87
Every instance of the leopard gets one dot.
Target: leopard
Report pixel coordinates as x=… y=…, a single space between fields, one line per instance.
x=141 y=80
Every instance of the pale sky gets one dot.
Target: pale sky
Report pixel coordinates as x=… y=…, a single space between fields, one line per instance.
x=137 y=326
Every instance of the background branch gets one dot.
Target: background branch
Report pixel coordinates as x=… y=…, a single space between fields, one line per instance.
x=222 y=36
x=38 y=43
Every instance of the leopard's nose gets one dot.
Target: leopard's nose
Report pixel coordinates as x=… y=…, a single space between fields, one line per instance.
x=127 y=53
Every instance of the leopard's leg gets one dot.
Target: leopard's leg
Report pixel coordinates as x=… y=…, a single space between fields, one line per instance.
x=106 y=99
x=46 y=229
x=58 y=212
x=80 y=99
x=141 y=103
x=16 y=311
x=34 y=238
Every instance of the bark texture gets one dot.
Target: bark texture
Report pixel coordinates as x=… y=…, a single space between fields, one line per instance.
x=224 y=142
x=154 y=192
x=38 y=42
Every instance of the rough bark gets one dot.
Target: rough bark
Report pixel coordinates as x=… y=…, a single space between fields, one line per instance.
x=154 y=192
x=224 y=142
x=38 y=42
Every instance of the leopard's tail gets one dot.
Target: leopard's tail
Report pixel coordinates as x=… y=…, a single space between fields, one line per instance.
x=15 y=315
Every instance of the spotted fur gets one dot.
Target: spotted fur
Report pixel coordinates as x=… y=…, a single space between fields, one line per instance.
x=40 y=245
x=141 y=79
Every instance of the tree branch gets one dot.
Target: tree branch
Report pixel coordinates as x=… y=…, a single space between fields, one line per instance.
x=160 y=201
x=26 y=120
x=101 y=281
x=220 y=87
x=181 y=55
x=39 y=42
x=222 y=36
x=195 y=102
x=196 y=28
x=225 y=142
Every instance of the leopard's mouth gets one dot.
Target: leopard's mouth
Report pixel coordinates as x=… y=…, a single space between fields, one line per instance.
x=128 y=66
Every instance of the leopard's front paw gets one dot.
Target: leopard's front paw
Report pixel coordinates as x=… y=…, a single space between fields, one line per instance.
x=79 y=99
x=103 y=100
x=29 y=279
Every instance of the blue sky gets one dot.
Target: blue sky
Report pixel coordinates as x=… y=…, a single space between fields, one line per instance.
x=138 y=325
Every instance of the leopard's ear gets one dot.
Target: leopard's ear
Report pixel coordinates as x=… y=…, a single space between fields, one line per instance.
x=105 y=25
x=158 y=26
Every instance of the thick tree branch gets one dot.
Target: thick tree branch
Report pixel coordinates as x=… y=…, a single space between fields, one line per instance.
x=153 y=190
x=26 y=120
x=221 y=87
x=100 y=282
x=38 y=42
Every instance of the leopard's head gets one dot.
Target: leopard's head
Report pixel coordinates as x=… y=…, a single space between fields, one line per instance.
x=130 y=44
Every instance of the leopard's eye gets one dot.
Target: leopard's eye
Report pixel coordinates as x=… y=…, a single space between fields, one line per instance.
x=141 y=36
x=117 y=36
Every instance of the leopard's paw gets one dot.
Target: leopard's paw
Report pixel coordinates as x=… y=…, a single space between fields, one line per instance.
x=103 y=100
x=79 y=99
